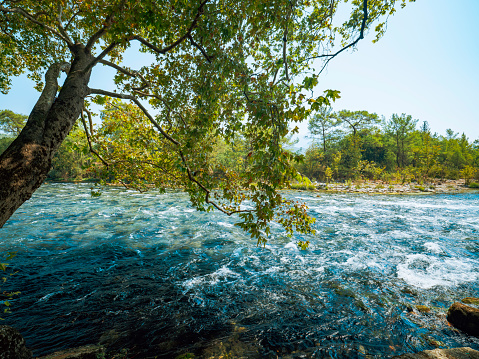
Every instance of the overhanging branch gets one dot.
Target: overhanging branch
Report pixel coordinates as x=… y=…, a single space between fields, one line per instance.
x=190 y=174
x=142 y=108
x=360 y=37
x=199 y=47
x=177 y=42
x=89 y=138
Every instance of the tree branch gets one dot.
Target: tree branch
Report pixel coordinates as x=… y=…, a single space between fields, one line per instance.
x=60 y=27
x=31 y=18
x=177 y=42
x=140 y=92
x=360 y=37
x=71 y=19
x=97 y=35
x=199 y=47
x=36 y=121
x=191 y=177
x=100 y=57
x=142 y=108
x=285 y=39
x=118 y=68
x=89 y=138
x=127 y=72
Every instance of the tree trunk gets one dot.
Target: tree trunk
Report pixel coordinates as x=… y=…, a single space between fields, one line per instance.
x=24 y=165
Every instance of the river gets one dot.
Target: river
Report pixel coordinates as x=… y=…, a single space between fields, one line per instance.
x=147 y=273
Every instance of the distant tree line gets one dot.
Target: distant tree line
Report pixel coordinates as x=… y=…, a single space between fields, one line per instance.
x=359 y=144
x=348 y=145
x=73 y=160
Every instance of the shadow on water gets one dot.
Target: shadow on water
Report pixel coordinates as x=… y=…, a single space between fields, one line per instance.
x=148 y=274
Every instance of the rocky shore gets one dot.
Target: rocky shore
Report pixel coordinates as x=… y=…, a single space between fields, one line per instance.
x=380 y=187
x=462 y=315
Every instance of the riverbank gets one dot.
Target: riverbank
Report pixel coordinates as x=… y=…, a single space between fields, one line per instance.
x=380 y=187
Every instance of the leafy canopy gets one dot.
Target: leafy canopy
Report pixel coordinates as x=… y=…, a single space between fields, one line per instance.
x=222 y=70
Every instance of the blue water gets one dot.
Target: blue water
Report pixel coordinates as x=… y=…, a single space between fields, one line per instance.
x=147 y=273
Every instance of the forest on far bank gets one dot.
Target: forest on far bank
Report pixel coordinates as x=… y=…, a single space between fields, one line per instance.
x=347 y=145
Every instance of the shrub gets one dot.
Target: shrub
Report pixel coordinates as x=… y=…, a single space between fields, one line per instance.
x=302 y=186
x=473 y=185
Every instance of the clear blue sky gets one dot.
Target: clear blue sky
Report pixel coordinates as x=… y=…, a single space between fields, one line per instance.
x=426 y=65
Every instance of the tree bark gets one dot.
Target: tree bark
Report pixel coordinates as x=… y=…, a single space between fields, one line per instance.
x=24 y=165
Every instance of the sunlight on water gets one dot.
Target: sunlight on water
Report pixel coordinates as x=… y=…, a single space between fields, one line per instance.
x=148 y=273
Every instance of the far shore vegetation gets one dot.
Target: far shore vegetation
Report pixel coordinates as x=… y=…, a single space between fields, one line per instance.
x=349 y=147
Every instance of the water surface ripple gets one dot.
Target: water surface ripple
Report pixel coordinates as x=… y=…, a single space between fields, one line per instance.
x=148 y=273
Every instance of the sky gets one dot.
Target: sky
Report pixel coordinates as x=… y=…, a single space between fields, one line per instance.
x=426 y=66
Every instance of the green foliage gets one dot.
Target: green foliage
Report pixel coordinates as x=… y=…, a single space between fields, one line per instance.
x=11 y=122
x=468 y=173
x=301 y=183
x=399 y=130
x=329 y=174
x=394 y=151
x=222 y=78
x=473 y=185
x=368 y=169
x=303 y=245
x=5 y=141
x=72 y=161
x=302 y=186
x=95 y=191
x=6 y=296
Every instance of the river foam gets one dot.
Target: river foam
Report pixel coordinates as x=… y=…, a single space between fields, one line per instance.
x=162 y=275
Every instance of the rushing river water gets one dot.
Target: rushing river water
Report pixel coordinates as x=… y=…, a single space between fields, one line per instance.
x=148 y=273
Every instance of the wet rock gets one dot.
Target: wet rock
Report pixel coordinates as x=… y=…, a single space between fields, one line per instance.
x=470 y=300
x=85 y=352
x=464 y=317
x=456 y=353
x=12 y=344
x=423 y=308
x=108 y=338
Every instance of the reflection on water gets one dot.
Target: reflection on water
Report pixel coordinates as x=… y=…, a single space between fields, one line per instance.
x=148 y=273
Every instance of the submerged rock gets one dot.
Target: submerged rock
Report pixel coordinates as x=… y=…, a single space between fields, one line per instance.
x=12 y=344
x=456 y=353
x=464 y=317
x=85 y=352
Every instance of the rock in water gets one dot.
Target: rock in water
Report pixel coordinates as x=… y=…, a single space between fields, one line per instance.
x=457 y=353
x=85 y=352
x=471 y=300
x=464 y=317
x=12 y=344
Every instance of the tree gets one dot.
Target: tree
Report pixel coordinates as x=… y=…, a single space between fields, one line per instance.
x=222 y=69
x=427 y=153
x=323 y=124
x=312 y=165
x=11 y=122
x=401 y=128
x=357 y=121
